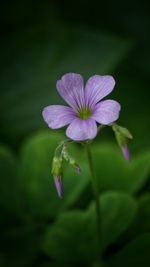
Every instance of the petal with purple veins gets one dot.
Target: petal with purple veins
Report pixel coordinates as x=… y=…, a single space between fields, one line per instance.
x=57 y=116
x=97 y=87
x=80 y=130
x=106 y=112
x=71 y=89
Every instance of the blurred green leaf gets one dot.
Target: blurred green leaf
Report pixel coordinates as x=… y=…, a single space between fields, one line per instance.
x=141 y=223
x=10 y=189
x=68 y=239
x=74 y=235
x=144 y=213
x=37 y=58
x=42 y=199
x=118 y=211
x=114 y=173
x=18 y=239
x=136 y=253
x=20 y=245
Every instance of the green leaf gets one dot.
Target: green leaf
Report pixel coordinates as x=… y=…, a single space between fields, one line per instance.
x=20 y=244
x=42 y=199
x=114 y=173
x=74 y=235
x=69 y=238
x=118 y=211
x=141 y=223
x=10 y=188
x=144 y=213
x=136 y=253
x=18 y=241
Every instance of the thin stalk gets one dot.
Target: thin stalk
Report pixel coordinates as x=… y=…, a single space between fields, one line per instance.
x=96 y=196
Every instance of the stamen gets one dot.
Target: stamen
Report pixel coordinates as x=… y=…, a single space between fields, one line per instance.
x=84 y=113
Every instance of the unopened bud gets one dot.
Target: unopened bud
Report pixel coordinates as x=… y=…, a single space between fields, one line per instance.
x=70 y=159
x=57 y=173
x=125 y=152
x=57 y=166
x=77 y=168
x=122 y=135
x=59 y=185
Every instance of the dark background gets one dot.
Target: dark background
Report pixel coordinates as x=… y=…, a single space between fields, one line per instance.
x=40 y=41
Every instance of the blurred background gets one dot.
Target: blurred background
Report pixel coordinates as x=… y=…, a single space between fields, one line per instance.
x=40 y=41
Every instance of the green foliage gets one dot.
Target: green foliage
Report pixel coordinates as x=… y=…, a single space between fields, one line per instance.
x=60 y=229
x=10 y=192
x=19 y=239
x=21 y=244
x=144 y=214
x=36 y=159
x=136 y=253
x=115 y=173
x=141 y=223
x=118 y=212
x=69 y=238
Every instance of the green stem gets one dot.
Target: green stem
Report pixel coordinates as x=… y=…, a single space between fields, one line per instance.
x=96 y=196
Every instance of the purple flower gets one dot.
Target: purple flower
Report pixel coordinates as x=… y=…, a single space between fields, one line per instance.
x=85 y=106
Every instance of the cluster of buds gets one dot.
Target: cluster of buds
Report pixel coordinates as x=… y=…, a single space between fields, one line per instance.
x=61 y=154
x=122 y=135
x=70 y=159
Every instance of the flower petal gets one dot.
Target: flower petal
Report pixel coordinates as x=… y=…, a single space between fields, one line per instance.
x=70 y=87
x=97 y=87
x=57 y=116
x=80 y=130
x=106 y=111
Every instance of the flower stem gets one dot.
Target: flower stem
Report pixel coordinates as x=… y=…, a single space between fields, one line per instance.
x=96 y=197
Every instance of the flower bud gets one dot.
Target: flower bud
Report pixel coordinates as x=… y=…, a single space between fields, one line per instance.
x=57 y=173
x=70 y=159
x=75 y=165
x=77 y=168
x=59 y=186
x=125 y=152
x=122 y=135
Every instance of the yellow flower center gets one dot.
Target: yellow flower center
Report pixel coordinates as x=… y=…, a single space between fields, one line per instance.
x=84 y=113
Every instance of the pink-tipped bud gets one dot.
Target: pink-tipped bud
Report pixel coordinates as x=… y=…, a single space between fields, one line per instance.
x=125 y=152
x=59 y=186
x=57 y=174
x=70 y=159
x=122 y=136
